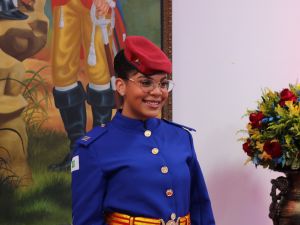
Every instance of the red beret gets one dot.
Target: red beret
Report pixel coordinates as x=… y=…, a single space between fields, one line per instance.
x=145 y=56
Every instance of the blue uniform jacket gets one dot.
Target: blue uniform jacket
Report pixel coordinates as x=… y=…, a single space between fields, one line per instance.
x=140 y=168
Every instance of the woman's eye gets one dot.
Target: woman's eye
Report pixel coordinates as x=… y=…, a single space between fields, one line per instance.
x=146 y=83
x=164 y=84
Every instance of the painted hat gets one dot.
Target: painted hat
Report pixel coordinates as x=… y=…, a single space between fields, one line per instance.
x=145 y=56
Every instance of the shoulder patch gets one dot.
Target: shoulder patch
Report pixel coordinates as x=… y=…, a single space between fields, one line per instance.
x=179 y=125
x=92 y=135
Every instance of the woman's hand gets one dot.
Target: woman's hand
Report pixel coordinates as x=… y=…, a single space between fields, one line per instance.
x=28 y=2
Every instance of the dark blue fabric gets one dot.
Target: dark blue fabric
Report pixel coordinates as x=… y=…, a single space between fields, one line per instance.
x=118 y=173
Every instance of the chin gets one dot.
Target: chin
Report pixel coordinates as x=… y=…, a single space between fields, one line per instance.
x=152 y=114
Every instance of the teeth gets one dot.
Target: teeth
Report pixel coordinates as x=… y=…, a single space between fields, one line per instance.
x=152 y=103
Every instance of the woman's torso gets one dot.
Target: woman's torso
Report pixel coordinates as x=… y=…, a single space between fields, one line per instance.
x=145 y=176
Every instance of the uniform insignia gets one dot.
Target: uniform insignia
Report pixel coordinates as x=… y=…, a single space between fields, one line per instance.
x=75 y=163
x=92 y=135
x=85 y=138
x=179 y=125
x=137 y=61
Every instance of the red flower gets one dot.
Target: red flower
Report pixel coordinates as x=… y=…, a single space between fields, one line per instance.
x=255 y=119
x=273 y=149
x=247 y=148
x=287 y=95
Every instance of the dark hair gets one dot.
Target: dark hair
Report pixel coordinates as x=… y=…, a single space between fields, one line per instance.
x=122 y=67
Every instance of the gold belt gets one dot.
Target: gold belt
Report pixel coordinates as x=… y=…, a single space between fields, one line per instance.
x=123 y=219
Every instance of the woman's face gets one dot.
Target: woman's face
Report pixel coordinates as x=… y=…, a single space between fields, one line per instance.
x=138 y=103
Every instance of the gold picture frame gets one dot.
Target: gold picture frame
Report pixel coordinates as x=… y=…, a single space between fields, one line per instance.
x=166 y=43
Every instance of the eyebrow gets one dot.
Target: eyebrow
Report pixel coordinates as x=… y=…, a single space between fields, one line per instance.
x=144 y=76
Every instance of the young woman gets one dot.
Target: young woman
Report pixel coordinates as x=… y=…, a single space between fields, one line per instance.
x=139 y=169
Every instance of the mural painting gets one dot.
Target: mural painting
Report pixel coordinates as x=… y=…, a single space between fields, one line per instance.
x=55 y=84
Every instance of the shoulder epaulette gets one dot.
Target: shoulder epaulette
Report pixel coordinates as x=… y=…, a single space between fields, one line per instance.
x=179 y=125
x=92 y=135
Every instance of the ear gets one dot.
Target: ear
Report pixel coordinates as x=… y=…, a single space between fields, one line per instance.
x=120 y=86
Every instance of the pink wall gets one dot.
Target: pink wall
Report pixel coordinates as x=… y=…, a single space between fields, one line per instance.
x=224 y=54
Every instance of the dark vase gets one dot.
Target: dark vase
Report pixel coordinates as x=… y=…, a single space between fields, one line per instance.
x=285 y=206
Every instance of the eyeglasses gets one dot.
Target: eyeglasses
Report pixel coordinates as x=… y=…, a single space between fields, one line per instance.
x=148 y=85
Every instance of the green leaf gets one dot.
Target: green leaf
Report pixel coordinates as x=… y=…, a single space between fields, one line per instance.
x=296 y=164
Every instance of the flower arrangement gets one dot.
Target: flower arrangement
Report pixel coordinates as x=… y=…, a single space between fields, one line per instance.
x=273 y=131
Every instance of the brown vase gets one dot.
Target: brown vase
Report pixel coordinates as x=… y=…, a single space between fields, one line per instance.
x=285 y=206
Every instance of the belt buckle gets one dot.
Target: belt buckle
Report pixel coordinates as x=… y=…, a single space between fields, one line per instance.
x=172 y=222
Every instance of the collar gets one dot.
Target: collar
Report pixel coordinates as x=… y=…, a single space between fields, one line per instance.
x=134 y=124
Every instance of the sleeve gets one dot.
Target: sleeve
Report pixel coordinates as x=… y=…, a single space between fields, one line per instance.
x=200 y=206
x=88 y=188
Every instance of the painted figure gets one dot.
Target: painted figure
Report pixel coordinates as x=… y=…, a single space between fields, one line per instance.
x=22 y=34
x=72 y=29
x=139 y=169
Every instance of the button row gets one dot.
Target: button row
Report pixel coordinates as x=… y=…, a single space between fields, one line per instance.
x=164 y=169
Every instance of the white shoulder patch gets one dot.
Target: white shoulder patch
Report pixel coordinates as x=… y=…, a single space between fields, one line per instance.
x=75 y=163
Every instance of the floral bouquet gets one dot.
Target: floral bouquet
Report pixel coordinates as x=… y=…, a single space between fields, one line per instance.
x=273 y=131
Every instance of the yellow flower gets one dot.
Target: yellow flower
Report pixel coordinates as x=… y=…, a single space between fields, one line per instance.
x=271 y=94
x=293 y=108
x=280 y=111
x=260 y=146
x=251 y=131
x=249 y=127
x=265 y=156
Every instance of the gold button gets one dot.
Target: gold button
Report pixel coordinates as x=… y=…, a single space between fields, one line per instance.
x=173 y=216
x=155 y=151
x=169 y=193
x=147 y=133
x=164 y=169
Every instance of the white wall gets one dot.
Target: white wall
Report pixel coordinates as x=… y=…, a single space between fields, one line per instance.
x=224 y=53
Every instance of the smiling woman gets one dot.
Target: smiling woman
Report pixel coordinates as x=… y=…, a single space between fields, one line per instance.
x=139 y=178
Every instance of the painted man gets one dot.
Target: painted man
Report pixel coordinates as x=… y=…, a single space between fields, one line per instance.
x=72 y=29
